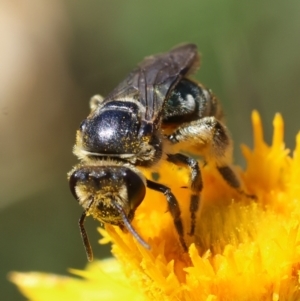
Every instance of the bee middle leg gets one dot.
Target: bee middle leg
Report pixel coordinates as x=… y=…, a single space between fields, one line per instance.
x=196 y=184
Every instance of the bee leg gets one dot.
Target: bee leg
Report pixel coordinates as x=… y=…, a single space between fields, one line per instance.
x=210 y=138
x=173 y=207
x=232 y=180
x=95 y=102
x=196 y=184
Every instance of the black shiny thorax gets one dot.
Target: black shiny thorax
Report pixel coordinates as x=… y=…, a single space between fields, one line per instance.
x=112 y=129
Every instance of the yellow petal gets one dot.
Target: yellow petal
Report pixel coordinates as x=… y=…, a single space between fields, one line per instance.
x=100 y=281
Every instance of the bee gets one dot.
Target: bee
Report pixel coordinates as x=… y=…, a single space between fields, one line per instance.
x=154 y=114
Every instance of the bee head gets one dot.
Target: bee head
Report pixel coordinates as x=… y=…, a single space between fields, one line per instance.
x=110 y=194
x=106 y=191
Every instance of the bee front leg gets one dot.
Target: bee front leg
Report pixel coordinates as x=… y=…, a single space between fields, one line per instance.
x=173 y=207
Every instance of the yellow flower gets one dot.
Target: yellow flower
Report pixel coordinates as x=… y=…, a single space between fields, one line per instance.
x=242 y=249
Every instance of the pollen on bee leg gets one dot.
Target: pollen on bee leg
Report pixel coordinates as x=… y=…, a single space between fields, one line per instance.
x=95 y=101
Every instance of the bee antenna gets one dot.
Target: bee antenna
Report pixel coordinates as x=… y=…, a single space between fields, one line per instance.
x=84 y=236
x=129 y=227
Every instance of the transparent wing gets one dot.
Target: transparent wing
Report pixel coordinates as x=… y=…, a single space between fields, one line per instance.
x=155 y=77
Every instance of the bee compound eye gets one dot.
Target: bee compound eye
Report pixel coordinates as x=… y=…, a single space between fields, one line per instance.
x=136 y=188
x=80 y=175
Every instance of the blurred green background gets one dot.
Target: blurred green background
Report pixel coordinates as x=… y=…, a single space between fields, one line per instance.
x=54 y=55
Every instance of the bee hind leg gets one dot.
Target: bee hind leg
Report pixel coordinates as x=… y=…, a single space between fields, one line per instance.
x=209 y=138
x=232 y=180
